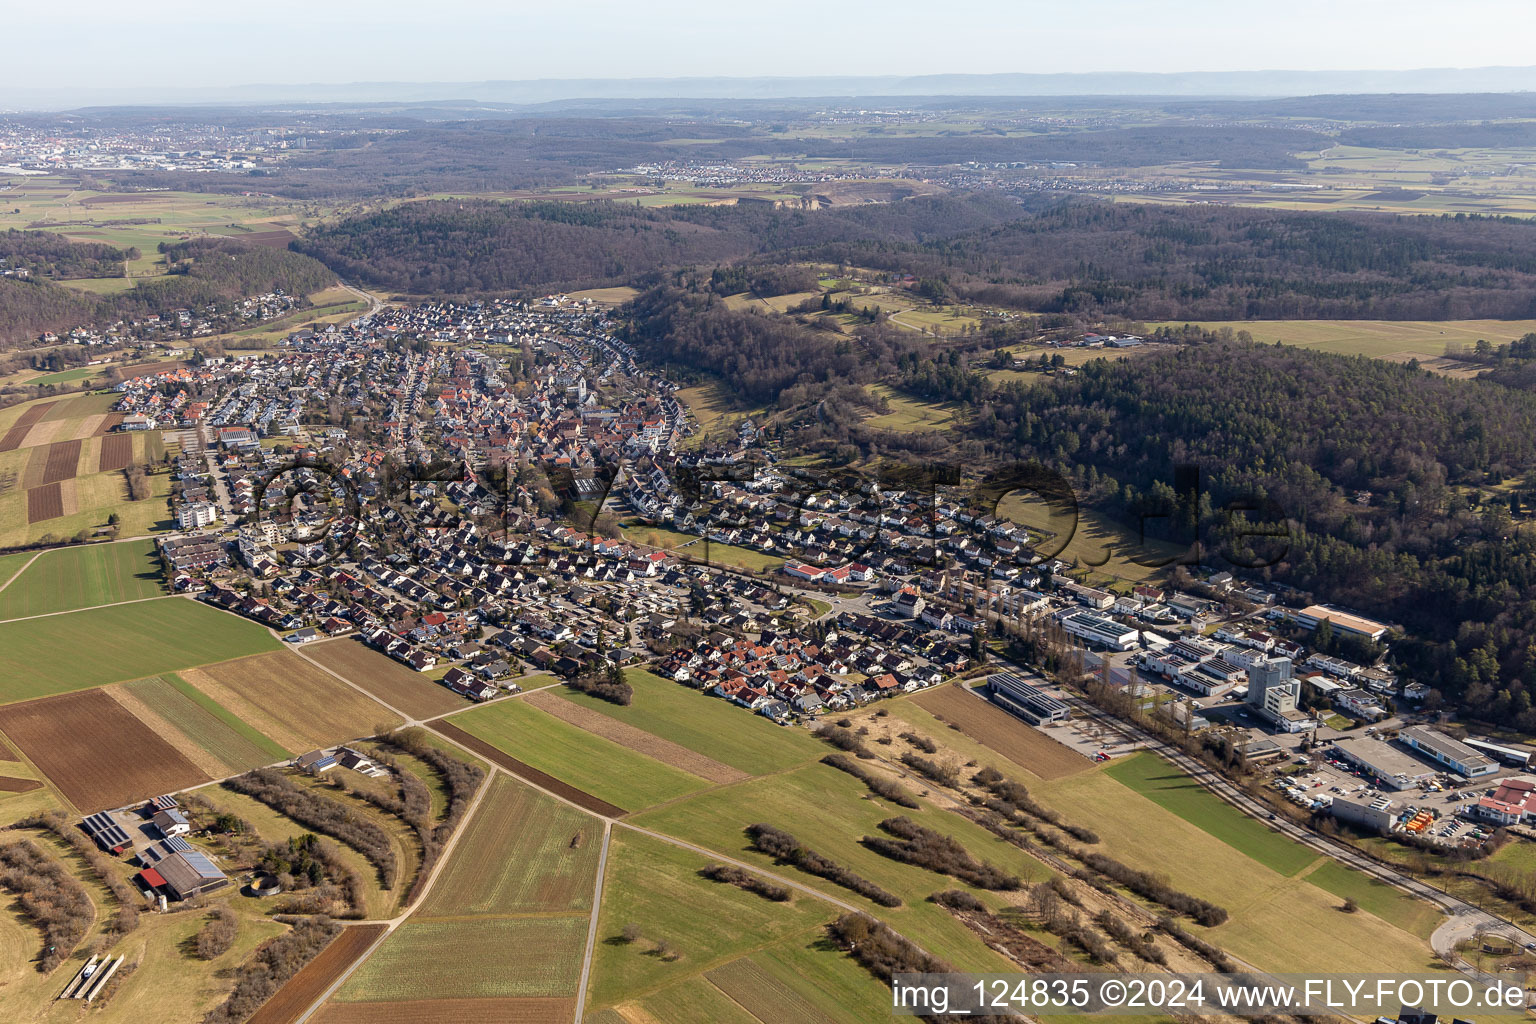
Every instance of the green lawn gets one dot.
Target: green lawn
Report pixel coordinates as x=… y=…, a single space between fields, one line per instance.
x=713 y=727
x=1166 y=786
x=108 y=645
x=600 y=767
x=82 y=577
x=830 y=812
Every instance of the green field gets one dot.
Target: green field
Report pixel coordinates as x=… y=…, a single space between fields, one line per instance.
x=83 y=577
x=517 y=856
x=1277 y=922
x=472 y=958
x=600 y=767
x=830 y=811
x=69 y=376
x=10 y=565
x=692 y=546
x=910 y=414
x=1168 y=787
x=108 y=645
x=1389 y=904
x=206 y=723
x=657 y=886
x=1380 y=339
x=708 y=725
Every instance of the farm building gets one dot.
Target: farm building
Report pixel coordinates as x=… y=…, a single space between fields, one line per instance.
x=184 y=874
x=172 y=822
x=315 y=762
x=107 y=833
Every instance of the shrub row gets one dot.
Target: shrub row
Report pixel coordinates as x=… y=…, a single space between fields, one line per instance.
x=746 y=880
x=878 y=784
x=786 y=849
x=103 y=867
x=1015 y=795
x=1139 y=943
x=322 y=814
x=843 y=738
x=1214 y=954
x=460 y=778
x=1149 y=886
x=931 y=770
x=886 y=954
x=273 y=963
x=922 y=743
x=50 y=897
x=915 y=844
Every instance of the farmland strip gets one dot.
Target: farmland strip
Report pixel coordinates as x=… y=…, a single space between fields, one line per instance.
x=10 y=785
x=762 y=995
x=44 y=503
x=12 y=439
x=990 y=726
x=626 y=735
x=513 y=1010
x=301 y=991
x=527 y=772
x=116 y=453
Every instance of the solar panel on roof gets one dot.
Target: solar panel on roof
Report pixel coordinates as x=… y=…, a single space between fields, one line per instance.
x=201 y=864
x=176 y=844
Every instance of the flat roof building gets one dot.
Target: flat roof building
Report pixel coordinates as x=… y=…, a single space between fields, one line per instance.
x=1454 y=754
x=1096 y=629
x=1385 y=763
x=1026 y=700
x=1343 y=622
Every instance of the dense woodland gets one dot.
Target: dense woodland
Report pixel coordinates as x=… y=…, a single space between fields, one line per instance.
x=45 y=254
x=449 y=247
x=202 y=272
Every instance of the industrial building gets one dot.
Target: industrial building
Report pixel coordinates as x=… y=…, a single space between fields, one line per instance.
x=1096 y=629
x=1454 y=754
x=1373 y=814
x=1386 y=764
x=1026 y=700
x=1342 y=622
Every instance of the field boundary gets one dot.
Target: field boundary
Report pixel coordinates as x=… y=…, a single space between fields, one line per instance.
x=641 y=742
x=586 y=801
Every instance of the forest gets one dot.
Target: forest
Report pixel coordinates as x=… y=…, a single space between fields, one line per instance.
x=479 y=247
x=202 y=271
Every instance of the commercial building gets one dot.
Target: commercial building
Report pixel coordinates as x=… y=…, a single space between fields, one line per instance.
x=1026 y=700
x=1454 y=754
x=1096 y=629
x=1389 y=766
x=1373 y=814
x=1342 y=622
x=1512 y=803
x=196 y=515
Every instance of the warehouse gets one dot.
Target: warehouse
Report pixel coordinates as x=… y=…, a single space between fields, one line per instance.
x=1454 y=754
x=1389 y=766
x=1342 y=622
x=1096 y=629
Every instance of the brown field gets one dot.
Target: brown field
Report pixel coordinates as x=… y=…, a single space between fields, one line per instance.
x=88 y=427
x=12 y=439
x=296 y=704
x=527 y=772
x=525 y=1010
x=385 y=678
x=116 y=453
x=110 y=422
x=276 y=239
x=44 y=503
x=301 y=991
x=1016 y=740
x=94 y=751
x=626 y=735
x=57 y=462
x=10 y=785
x=206 y=761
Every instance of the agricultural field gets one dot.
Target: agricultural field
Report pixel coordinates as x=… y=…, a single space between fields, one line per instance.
x=384 y=677
x=594 y=765
x=94 y=751
x=1170 y=788
x=83 y=577
x=312 y=980
x=1016 y=740
x=522 y=852
x=607 y=296
x=715 y=728
x=1279 y=921
x=657 y=886
x=495 y=755
x=127 y=641
x=638 y=740
x=294 y=703
x=205 y=723
x=1394 y=340
x=830 y=811
x=473 y=958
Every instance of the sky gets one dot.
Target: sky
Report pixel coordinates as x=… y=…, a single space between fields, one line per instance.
x=103 y=44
